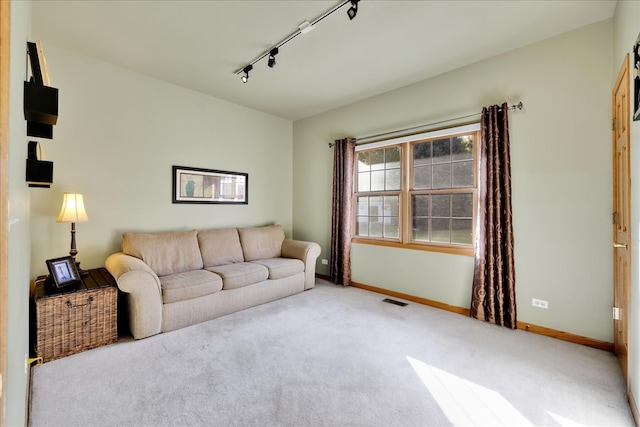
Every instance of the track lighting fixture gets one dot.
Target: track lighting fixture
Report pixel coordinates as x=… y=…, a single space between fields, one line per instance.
x=306 y=27
x=353 y=10
x=272 y=57
x=303 y=28
x=246 y=70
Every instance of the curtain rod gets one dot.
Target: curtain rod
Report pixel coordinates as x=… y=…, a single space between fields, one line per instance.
x=517 y=106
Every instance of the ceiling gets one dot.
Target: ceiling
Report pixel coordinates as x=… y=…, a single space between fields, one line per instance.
x=200 y=44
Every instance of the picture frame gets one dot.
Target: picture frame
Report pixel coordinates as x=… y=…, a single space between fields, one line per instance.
x=34 y=61
x=63 y=271
x=38 y=63
x=198 y=185
x=636 y=80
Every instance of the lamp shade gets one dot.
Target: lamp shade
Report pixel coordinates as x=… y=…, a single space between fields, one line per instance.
x=72 y=209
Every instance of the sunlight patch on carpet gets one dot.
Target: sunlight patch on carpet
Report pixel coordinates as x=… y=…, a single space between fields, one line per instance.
x=466 y=403
x=564 y=422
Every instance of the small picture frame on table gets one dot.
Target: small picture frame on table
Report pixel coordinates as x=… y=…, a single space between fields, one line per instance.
x=62 y=272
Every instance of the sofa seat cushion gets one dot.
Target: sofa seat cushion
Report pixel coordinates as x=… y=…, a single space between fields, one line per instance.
x=240 y=274
x=281 y=267
x=189 y=285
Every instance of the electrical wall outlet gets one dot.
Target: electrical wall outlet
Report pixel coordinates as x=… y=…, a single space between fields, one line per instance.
x=325 y=262
x=540 y=303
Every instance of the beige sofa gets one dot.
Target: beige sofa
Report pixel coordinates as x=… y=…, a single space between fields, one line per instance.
x=177 y=279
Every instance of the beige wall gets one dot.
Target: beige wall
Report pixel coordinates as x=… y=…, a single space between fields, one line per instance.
x=120 y=132
x=19 y=233
x=561 y=178
x=627 y=29
x=117 y=137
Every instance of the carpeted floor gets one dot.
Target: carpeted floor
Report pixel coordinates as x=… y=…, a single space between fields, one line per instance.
x=333 y=356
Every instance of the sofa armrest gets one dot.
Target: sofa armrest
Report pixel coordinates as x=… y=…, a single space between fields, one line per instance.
x=144 y=295
x=307 y=252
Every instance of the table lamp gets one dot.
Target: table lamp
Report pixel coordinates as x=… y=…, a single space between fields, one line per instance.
x=73 y=211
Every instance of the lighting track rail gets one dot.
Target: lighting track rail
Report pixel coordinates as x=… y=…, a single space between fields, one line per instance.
x=303 y=28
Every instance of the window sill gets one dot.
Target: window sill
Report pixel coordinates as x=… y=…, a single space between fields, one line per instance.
x=465 y=251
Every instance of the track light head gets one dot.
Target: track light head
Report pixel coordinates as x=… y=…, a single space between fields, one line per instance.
x=353 y=10
x=246 y=70
x=272 y=57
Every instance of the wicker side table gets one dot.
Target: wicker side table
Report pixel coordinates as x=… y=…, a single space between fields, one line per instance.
x=78 y=319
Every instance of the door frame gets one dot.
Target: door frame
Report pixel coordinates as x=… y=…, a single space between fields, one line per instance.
x=4 y=199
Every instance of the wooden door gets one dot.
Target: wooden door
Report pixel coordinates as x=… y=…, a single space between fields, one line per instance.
x=621 y=215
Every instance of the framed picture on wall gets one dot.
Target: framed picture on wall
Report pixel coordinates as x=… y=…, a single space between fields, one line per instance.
x=636 y=80
x=196 y=185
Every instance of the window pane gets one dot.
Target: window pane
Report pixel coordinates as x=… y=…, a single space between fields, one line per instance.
x=363 y=162
x=422 y=177
x=422 y=154
x=462 y=148
x=377 y=180
x=420 y=205
x=378 y=216
x=392 y=179
x=391 y=228
x=363 y=206
x=375 y=206
x=462 y=174
x=391 y=219
x=364 y=181
x=391 y=206
x=362 y=226
x=442 y=176
x=462 y=205
x=442 y=151
x=392 y=157
x=376 y=159
x=375 y=226
x=420 y=229
x=440 y=206
x=462 y=232
x=440 y=231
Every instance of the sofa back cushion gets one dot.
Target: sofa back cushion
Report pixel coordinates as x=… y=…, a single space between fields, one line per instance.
x=220 y=247
x=165 y=253
x=261 y=242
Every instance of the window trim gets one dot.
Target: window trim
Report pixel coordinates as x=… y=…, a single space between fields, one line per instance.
x=405 y=240
x=473 y=127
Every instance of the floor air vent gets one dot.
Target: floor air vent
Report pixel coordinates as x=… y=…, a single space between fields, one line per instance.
x=392 y=301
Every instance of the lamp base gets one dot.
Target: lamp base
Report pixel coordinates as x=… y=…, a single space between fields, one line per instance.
x=80 y=270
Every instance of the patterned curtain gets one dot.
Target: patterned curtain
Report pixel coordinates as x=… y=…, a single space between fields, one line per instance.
x=342 y=211
x=493 y=296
